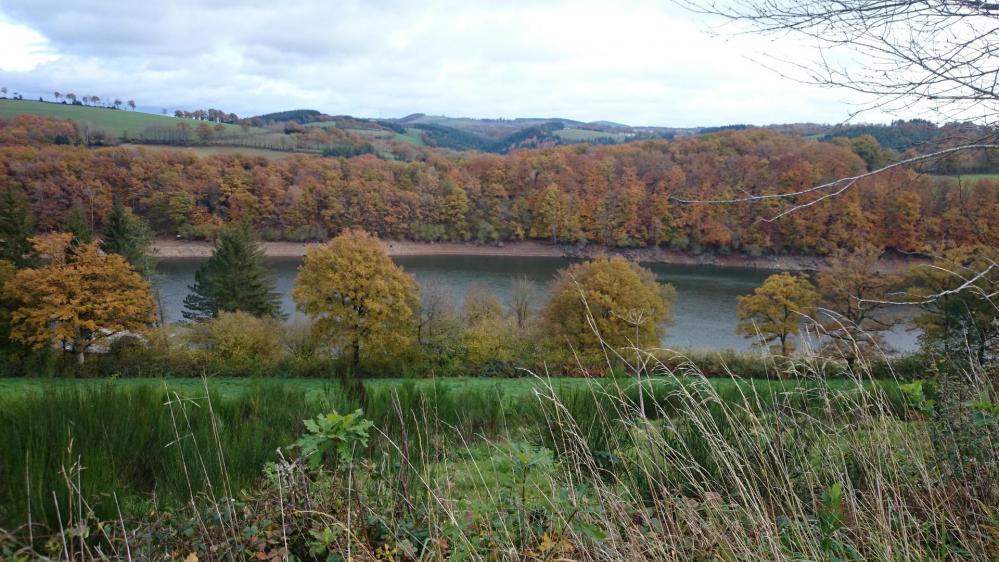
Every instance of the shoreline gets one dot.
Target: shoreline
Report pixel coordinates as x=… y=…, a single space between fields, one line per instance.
x=167 y=248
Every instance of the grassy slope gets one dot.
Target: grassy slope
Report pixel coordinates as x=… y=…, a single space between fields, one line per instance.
x=119 y=121
x=212 y=150
x=581 y=135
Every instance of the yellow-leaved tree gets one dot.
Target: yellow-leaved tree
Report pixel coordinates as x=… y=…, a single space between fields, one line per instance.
x=776 y=309
x=627 y=305
x=855 y=295
x=80 y=298
x=358 y=298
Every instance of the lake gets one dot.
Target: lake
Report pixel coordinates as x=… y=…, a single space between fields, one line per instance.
x=704 y=314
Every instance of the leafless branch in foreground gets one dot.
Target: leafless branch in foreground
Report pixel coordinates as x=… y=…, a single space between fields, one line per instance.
x=837 y=186
x=940 y=56
x=968 y=284
x=905 y=55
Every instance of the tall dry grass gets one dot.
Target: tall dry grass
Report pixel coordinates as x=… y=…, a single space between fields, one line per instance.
x=803 y=471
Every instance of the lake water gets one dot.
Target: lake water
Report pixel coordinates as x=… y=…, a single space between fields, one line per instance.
x=704 y=314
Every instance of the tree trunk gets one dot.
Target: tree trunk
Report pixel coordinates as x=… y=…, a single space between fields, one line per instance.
x=356 y=359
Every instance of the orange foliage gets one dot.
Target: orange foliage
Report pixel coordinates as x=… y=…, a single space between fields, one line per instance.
x=624 y=195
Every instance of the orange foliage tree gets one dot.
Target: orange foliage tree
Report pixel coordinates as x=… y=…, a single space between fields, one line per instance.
x=625 y=195
x=78 y=299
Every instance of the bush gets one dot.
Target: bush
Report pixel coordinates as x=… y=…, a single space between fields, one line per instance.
x=237 y=337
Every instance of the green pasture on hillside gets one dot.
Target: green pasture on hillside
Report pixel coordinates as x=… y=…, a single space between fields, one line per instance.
x=118 y=121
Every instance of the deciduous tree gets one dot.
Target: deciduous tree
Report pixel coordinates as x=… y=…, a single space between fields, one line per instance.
x=481 y=305
x=609 y=300
x=776 y=309
x=959 y=296
x=358 y=298
x=523 y=299
x=855 y=294
x=79 y=300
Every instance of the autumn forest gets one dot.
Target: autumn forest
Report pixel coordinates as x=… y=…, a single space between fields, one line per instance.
x=632 y=195
x=514 y=327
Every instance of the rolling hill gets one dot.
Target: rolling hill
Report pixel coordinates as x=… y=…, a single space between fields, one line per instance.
x=289 y=131
x=120 y=122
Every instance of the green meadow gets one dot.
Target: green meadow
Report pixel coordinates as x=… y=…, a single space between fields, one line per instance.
x=121 y=122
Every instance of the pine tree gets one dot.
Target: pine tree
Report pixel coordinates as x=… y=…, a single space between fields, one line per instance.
x=233 y=279
x=128 y=236
x=16 y=225
x=77 y=224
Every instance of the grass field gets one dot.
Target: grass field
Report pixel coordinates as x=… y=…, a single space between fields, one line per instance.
x=481 y=469
x=126 y=430
x=118 y=121
x=321 y=125
x=583 y=135
x=213 y=150
x=412 y=136
x=312 y=388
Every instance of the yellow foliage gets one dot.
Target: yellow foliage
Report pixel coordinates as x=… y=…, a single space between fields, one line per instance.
x=81 y=298
x=777 y=308
x=237 y=336
x=480 y=305
x=52 y=245
x=851 y=286
x=627 y=305
x=357 y=296
x=7 y=272
x=494 y=339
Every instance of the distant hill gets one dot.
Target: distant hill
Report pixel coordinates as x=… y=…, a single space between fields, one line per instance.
x=103 y=126
x=344 y=135
x=485 y=135
x=120 y=122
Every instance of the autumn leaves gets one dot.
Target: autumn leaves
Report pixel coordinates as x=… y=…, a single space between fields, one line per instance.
x=80 y=298
x=357 y=297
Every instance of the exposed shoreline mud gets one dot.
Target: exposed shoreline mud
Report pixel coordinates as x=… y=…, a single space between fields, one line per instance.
x=167 y=248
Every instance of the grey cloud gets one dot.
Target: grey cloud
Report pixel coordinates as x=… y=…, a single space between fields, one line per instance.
x=631 y=62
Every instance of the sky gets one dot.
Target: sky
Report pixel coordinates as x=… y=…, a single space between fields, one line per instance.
x=634 y=62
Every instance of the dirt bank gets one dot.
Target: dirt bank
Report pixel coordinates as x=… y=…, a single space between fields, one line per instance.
x=171 y=248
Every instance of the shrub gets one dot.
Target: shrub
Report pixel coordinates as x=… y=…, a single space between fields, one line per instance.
x=237 y=337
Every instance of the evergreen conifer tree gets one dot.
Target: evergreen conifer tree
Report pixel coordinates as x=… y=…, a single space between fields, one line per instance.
x=16 y=225
x=128 y=236
x=77 y=224
x=233 y=279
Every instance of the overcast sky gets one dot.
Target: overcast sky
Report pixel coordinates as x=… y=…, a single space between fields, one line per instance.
x=640 y=63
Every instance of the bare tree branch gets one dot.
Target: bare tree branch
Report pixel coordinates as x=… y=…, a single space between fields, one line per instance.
x=837 y=186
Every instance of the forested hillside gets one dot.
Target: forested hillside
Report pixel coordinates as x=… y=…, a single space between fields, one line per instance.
x=624 y=195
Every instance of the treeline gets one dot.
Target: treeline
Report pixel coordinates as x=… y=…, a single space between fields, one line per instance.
x=213 y=115
x=88 y=295
x=621 y=196
x=538 y=136
x=328 y=141
x=293 y=116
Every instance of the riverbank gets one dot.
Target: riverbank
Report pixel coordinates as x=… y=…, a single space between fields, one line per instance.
x=170 y=249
